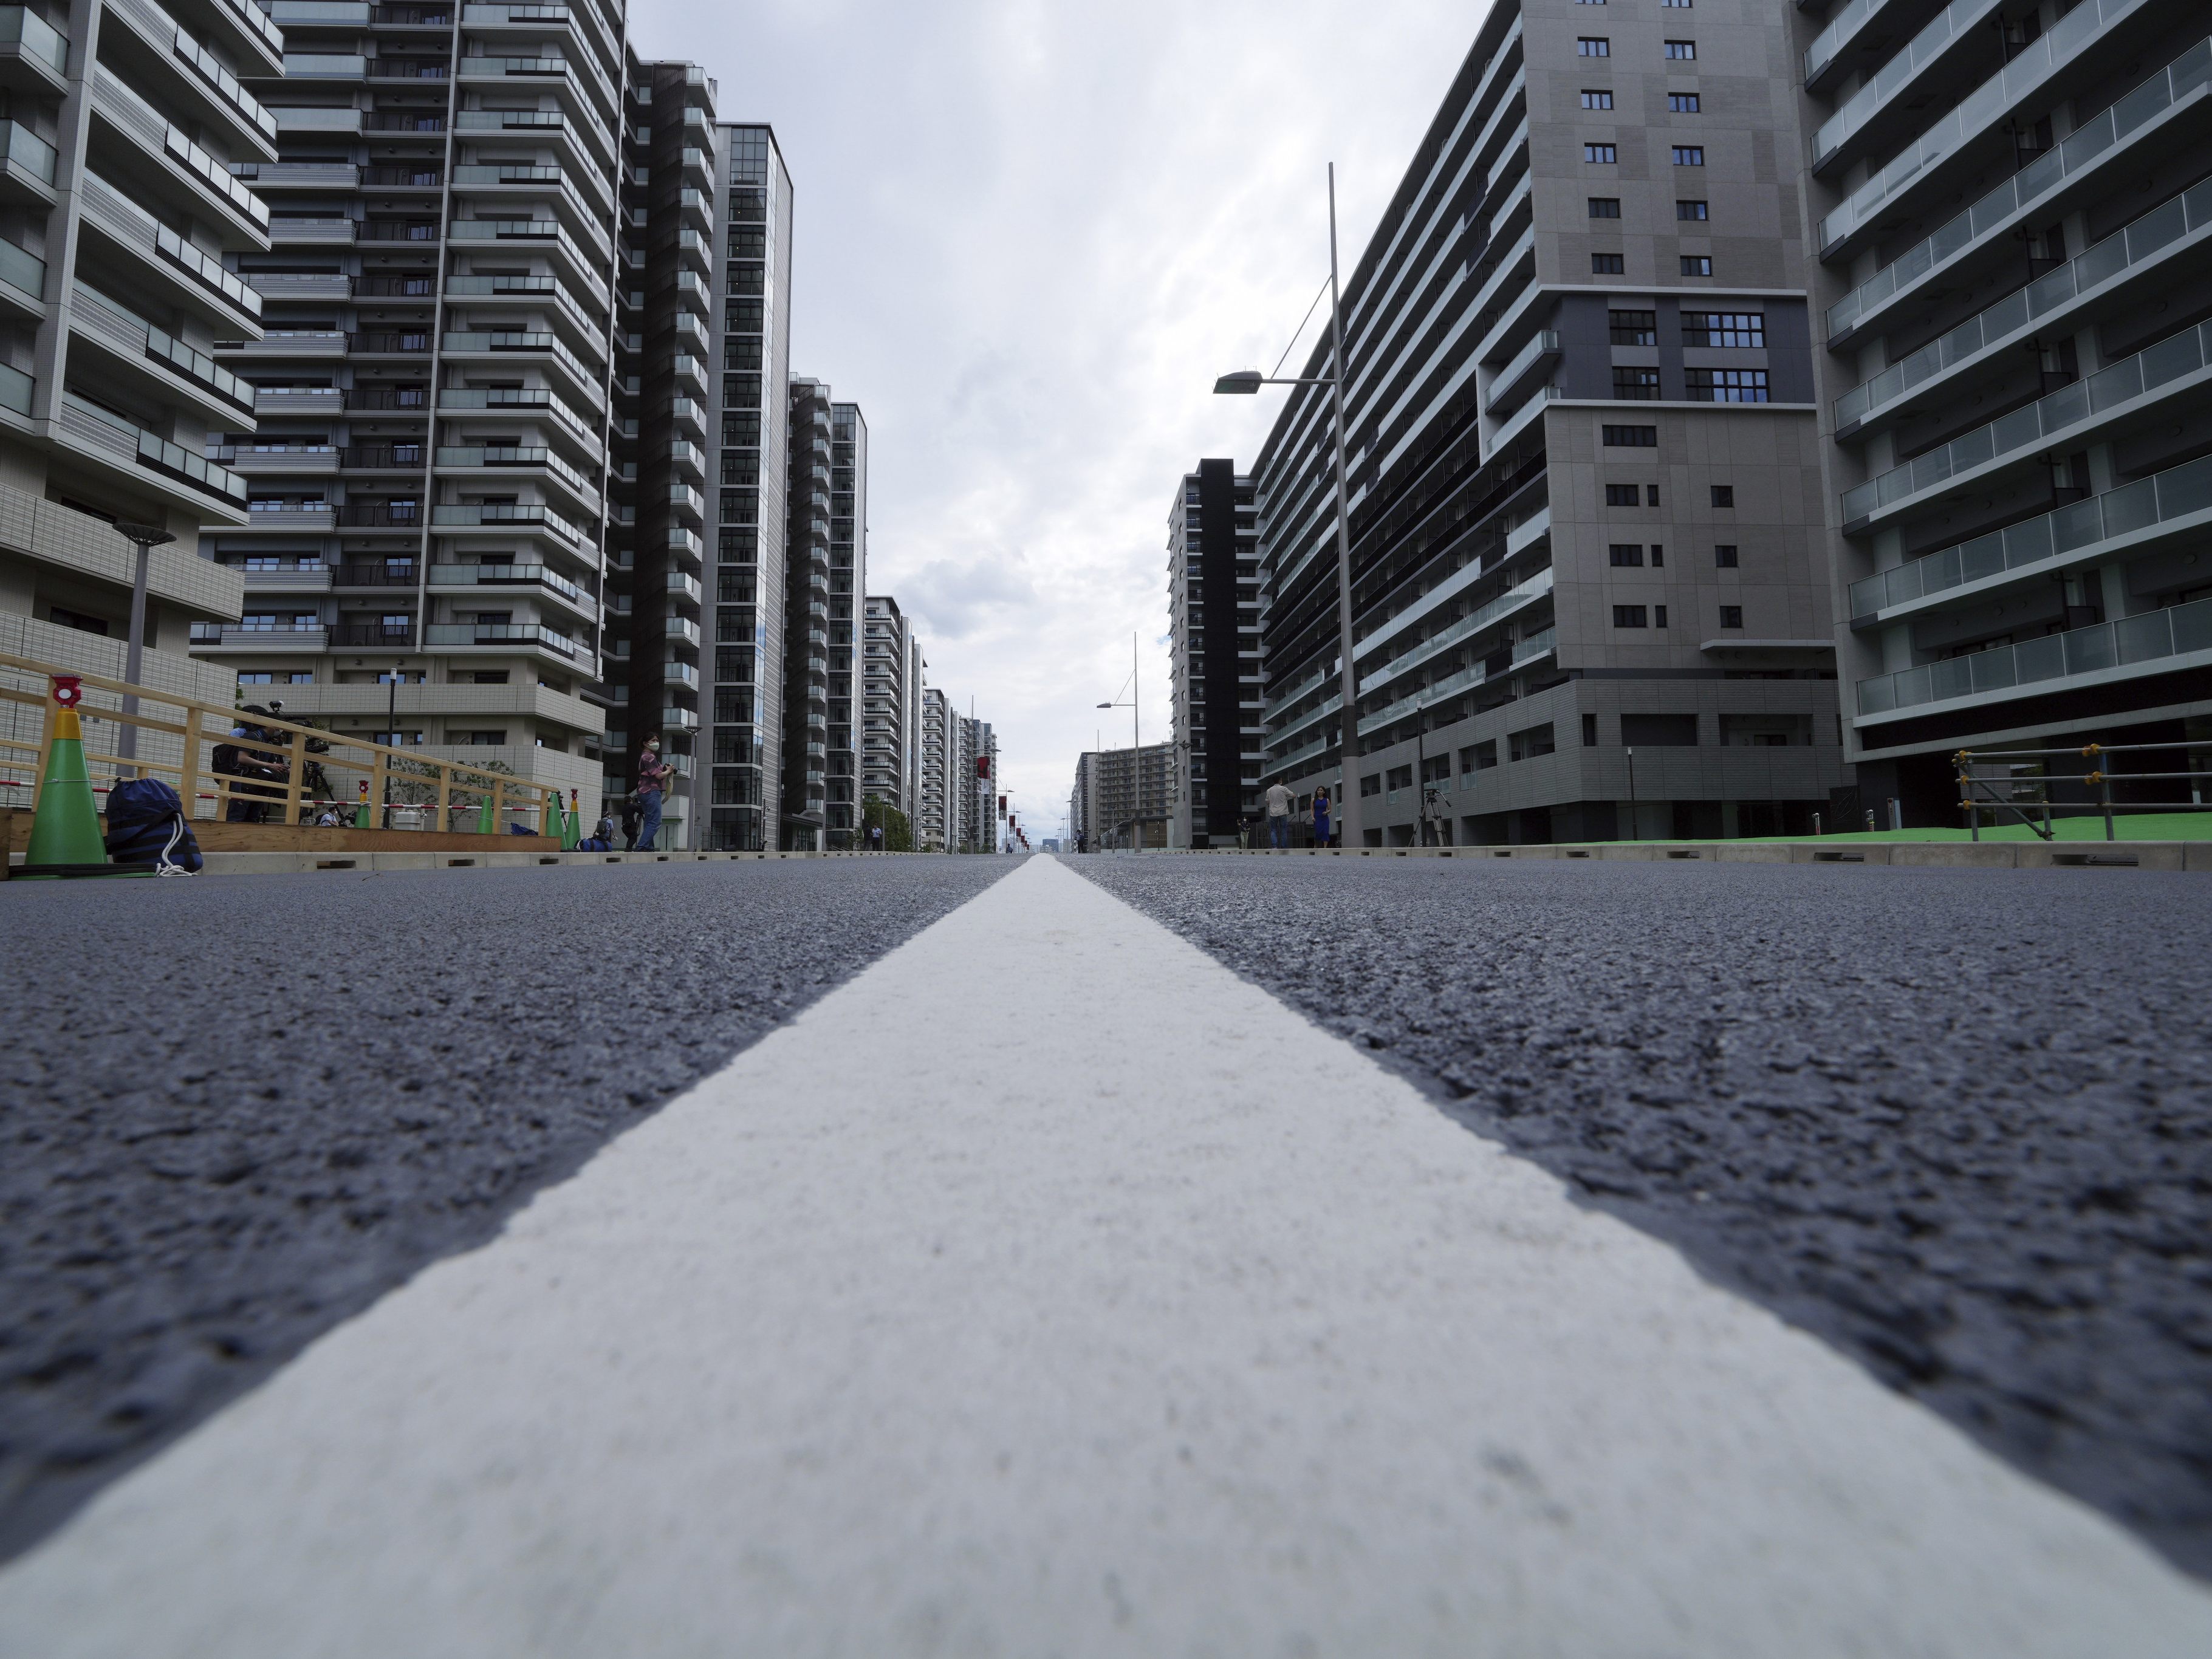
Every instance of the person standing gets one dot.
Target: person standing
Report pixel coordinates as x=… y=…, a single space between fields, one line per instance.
x=1321 y=817
x=1279 y=817
x=652 y=776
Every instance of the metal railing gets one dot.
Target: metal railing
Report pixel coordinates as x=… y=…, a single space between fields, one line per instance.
x=2176 y=631
x=2019 y=782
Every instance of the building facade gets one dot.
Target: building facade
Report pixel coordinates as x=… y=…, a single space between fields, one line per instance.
x=937 y=827
x=125 y=218
x=848 y=588
x=1589 y=562
x=750 y=422
x=1119 y=800
x=1218 y=693
x=429 y=455
x=806 y=621
x=891 y=702
x=2009 y=204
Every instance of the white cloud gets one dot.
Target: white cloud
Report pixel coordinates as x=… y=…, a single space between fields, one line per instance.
x=1028 y=234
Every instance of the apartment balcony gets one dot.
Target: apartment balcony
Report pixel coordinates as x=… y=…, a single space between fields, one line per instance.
x=1508 y=603
x=327 y=401
x=544 y=235
x=686 y=543
x=23 y=280
x=2151 y=246
x=508 y=184
x=591 y=162
x=674 y=718
x=587 y=97
x=682 y=588
x=229 y=637
x=1846 y=35
x=197 y=81
x=535 y=460
x=1518 y=655
x=501 y=520
x=679 y=673
x=311 y=577
x=685 y=500
x=2141 y=387
x=502 y=404
x=522 y=346
x=1876 y=116
x=532 y=639
x=691 y=413
x=180 y=271
x=2108 y=654
x=373 y=636
x=2110 y=142
x=404 y=516
x=248 y=32
x=314 y=344
x=159 y=361
x=167 y=161
x=1520 y=377
x=268 y=514
x=324 y=700
x=681 y=629
x=267 y=176
x=690 y=374
x=541 y=580
x=301 y=285
x=2170 y=507
x=535 y=292
x=33 y=54
x=280 y=460
x=26 y=163
x=345 y=122
x=168 y=470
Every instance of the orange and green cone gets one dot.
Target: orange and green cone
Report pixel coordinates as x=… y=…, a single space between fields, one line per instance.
x=65 y=838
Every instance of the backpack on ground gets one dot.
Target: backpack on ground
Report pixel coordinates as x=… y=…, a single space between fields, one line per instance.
x=146 y=824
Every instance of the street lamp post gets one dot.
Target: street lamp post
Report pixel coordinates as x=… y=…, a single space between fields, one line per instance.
x=1136 y=754
x=1631 y=794
x=145 y=538
x=1250 y=381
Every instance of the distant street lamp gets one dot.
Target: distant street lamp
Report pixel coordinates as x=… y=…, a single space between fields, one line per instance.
x=1136 y=753
x=145 y=538
x=1631 y=794
x=1247 y=381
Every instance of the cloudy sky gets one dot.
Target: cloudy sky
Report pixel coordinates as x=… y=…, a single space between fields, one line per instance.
x=1028 y=233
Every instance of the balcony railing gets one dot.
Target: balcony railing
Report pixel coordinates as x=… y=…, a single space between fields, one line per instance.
x=509 y=634
x=2174 y=358
x=2131 y=245
x=2166 y=499
x=489 y=574
x=1955 y=21
x=23 y=27
x=2037 y=665
x=1979 y=111
x=211 y=70
x=21 y=147
x=21 y=269
x=1996 y=210
x=534 y=456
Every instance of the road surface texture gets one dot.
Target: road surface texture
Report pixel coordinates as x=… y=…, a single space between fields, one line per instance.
x=1046 y=1318
x=237 y=1110
x=1958 y=1123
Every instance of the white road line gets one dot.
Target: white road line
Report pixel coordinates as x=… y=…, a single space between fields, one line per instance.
x=1048 y=1289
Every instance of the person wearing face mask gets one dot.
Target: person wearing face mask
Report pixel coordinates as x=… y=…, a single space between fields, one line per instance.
x=653 y=774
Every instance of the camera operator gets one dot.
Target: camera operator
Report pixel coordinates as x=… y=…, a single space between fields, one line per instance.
x=260 y=768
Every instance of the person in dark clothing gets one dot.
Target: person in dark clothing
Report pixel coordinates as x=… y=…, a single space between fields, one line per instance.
x=264 y=770
x=632 y=821
x=1321 y=817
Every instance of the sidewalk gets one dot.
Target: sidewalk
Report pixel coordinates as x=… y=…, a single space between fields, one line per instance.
x=1136 y=1317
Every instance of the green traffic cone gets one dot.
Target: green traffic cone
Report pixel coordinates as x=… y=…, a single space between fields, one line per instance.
x=65 y=839
x=486 y=825
x=572 y=823
x=361 y=812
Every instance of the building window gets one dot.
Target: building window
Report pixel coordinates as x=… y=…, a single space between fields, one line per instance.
x=1651 y=495
x=1685 y=103
x=1371 y=784
x=1632 y=437
x=1697 y=212
x=1697 y=264
x=1622 y=496
x=1605 y=207
x=496 y=738
x=1658 y=616
x=1589 y=731
x=1607 y=264
x=1682 y=51
x=1674 y=5
x=1628 y=554
x=1746 y=329
x=1596 y=98
x=1603 y=155
x=1592 y=46
x=1658 y=555
x=1479 y=758
x=1636 y=385
x=1689 y=156
x=1402 y=777
x=1659 y=731
x=1724 y=555
x=1731 y=615
x=1723 y=494
x=1633 y=327
x=1727 y=386
x=1629 y=615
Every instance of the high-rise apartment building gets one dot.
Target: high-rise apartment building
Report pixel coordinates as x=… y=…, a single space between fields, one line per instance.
x=1117 y=801
x=1215 y=690
x=749 y=423
x=428 y=459
x=806 y=621
x=848 y=588
x=1585 y=485
x=128 y=129
x=937 y=827
x=656 y=599
x=2010 y=202
x=891 y=663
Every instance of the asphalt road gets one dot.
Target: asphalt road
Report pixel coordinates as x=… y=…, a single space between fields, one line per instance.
x=1957 y=1123
x=235 y=1111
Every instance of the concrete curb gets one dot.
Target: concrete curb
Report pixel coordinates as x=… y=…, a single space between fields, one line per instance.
x=1947 y=855
x=270 y=863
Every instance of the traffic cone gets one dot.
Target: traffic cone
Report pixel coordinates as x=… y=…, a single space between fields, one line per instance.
x=65 y=839
x=572 y=826
x=361 y=812
x=486 y=825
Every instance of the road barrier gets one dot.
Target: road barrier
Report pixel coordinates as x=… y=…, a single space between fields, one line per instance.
x=2019 y=780
x=406 y=788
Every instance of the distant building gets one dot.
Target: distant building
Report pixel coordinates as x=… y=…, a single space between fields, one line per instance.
x=937 y=829
x=1216 y=691
x=890 y=660
x=1121 y=802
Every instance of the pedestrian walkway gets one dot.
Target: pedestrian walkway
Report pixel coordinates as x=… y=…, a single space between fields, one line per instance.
x=1107 y=1308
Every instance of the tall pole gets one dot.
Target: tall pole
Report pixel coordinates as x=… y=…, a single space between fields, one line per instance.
x=126 y=738
x=1136 y=753
x=1348 y=689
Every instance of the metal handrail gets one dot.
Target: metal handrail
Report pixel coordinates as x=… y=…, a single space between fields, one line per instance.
x=1973 y=805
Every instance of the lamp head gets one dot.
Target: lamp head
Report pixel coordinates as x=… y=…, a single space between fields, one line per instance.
x=1244 y=380
x=145 y=535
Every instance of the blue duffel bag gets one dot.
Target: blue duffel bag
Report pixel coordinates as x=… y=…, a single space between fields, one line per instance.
x=146 y=825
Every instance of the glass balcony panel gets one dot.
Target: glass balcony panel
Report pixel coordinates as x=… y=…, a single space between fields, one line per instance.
x=2089 y=648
